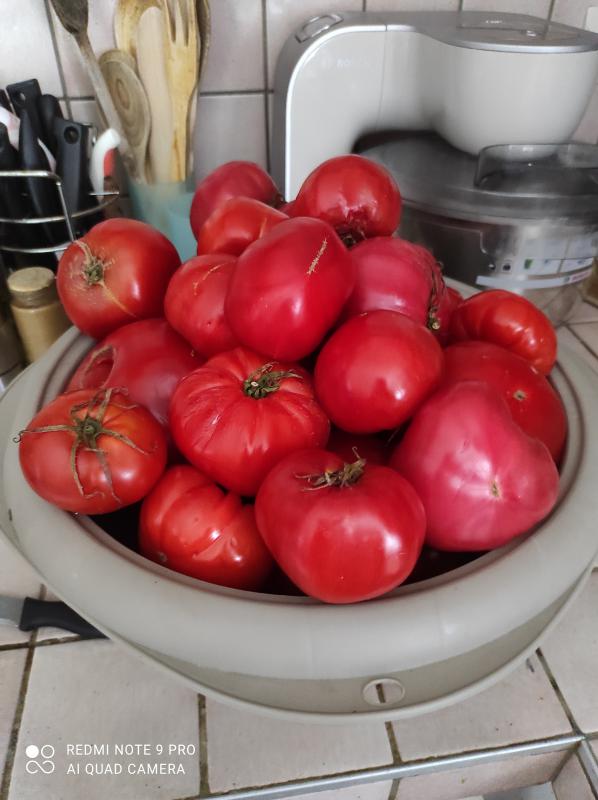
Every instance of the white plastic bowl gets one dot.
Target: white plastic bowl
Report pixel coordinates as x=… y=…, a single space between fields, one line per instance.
x=427 y=644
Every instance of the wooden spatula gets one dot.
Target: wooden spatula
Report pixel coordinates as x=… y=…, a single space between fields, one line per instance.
x=127 y=16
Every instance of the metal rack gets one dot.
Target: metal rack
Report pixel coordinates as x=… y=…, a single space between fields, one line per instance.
x=106 y=199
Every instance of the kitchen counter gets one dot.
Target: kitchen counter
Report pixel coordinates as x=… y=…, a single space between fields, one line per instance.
x=84 y=719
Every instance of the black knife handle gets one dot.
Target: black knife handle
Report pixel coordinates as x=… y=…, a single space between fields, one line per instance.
x=39 y=613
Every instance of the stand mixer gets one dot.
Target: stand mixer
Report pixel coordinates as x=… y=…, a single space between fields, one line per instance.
x=472 y=112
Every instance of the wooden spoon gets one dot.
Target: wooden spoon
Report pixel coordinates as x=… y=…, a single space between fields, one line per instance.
x=73 y=15
x=151 y=63
x=127 y=17
x=131 y=102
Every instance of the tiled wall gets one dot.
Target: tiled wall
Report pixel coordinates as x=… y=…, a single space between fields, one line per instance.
x=247 y=35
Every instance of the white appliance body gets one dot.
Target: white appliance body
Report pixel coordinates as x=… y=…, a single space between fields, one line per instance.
x=475 y=78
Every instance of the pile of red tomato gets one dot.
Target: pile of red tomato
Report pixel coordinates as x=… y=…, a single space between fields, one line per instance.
x=305 y=395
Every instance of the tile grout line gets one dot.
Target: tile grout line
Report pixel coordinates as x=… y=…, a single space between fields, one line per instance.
x=204 y=784
x=57 y=57
x=557 y=690
x=394 y=789
x=16 y=724
x=266 y=81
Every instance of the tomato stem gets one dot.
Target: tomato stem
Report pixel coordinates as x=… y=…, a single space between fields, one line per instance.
x=87 y=429
x=265 y=381
x=347 y=475
x=93 y=267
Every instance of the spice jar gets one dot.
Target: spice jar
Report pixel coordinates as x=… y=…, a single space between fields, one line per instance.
x=37 y=311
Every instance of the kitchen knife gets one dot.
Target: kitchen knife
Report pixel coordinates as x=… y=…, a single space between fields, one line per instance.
x=49 y=109
x=43 y=193
x=29 y=614
x=71 y=161
x=4 y=101
x=11 y=189
x=24 y=95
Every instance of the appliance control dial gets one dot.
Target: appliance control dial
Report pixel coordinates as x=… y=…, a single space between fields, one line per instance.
x=316 y=25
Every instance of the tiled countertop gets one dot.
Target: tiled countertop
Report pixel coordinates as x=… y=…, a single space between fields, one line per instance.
x=58 y=691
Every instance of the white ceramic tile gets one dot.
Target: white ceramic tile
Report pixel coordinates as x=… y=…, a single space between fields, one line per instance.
x=367 y=791
x=412 y=5
x=588 y=333
x=571 y=12
x=572 y=654
x=537 y=8
x=246 y=749
x=86 y=112
x=585 y=312
x=522 y=707
x=12 y=663
x=95 y=693
x=565 y=337
x=571 y=782
x=284 y=17
x=17 y=579
x=236 y=54
x=482 y=778
x=229 y=127
x=101 y=36
x=27 y=49
x=587 y=130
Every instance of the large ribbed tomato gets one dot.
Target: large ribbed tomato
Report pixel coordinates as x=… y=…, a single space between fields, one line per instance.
x=238 y=415
x=535 y=405
x=115 y=274
x=481 y=479
x=342 y=532
x=288 y=289
x=234 y=225
x=509 y=320
x=147 y=358
x=358 y=197
x=233 y=179
x=194 y=303
x=375 y=370
x=189 y=524
x=92 y=452
x=397 y=275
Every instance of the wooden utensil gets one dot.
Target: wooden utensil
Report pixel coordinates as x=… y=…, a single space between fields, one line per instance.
x=204 y=25
x=151 y=64
x=181 y=50
x=127 y=16
x=131 y=102
x=73 y=15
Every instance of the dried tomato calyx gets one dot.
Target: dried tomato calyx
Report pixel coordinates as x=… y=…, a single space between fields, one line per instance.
x=93 y=266
x=87 y=429
x=265 y=380
x=347 y=475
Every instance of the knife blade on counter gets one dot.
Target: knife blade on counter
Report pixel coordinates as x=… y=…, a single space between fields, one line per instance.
x=29 y=614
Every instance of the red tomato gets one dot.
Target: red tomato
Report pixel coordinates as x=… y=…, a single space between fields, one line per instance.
x=237 y=416
x=341 y=532
x=147 y=358
x=288 y=289
x=399 y=276
x=192 y=526
x=235 y=224
x=233 y=179
x=194 y=303
x=356 y=196
x=375 y=370
x=533 y=403
x=481 y=479
x=350 y=446
x=509 y=320
x=117 y=273
x=91 y=452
